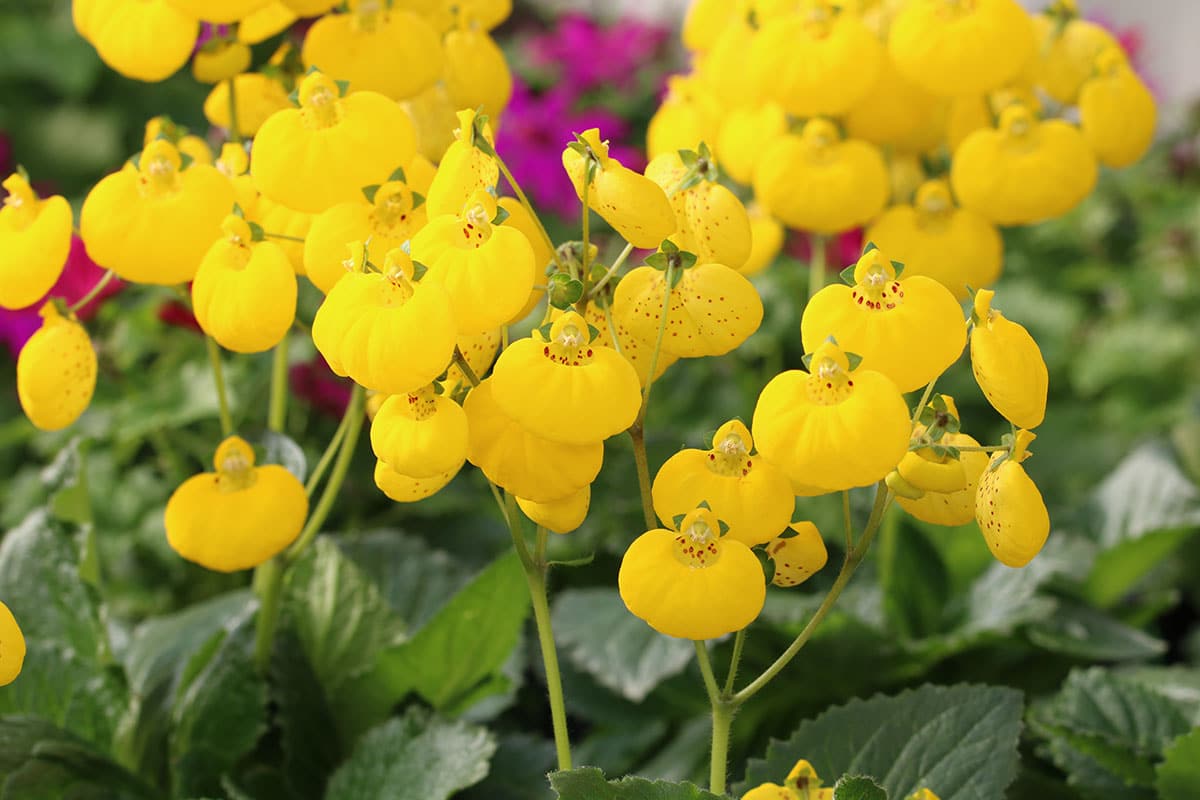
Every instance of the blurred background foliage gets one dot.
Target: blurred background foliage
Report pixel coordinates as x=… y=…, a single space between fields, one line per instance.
x=1107 y=614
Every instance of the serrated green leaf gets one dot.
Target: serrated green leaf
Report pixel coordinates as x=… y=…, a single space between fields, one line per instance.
x=417 y=756
x=312 y=748
x=39 y=761
x=858 y=787
x=599 y=635
x=588 y=783
x=518 y=770
x=960 y=741
x=1081 y=632
x=1179 y=774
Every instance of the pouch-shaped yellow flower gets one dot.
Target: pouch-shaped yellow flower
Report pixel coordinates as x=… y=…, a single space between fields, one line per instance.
x=704 y=22
x=634 y=205
x=564 y=386
x=949 y=484
x=817 y=182
x=56 y=371
x=258 y=97
x=723 y=68
x=220 y=60
x=893 y=110
x=376 y=48
x=520 y=462
x=910 y=329
x=831 y=428
x=221 y=12
x=713 y=309
x=559 y=516
x=955 y=246
x=744 y=135
x=147 y=40
x=406 y=489
x=477 y=73
x=957 y=48
x=712 y=222
x=273 y=18
x=766 y=240
x=688 y=115
x=487 y=270
x=153 y=223
x=798 y=557
x=238 y=516
x=244 y=293
x=385 y=331
x=35 y=238
x=12 y=646
x=1066 y=55
x=634 y=350
x=979 y=112
x=479 y=350
x=1024 y=171
x=1117 y=113
x=465 y=169
x=802 y=783
x=1008 y=364
x=691 y=582
x=1009 y=507
x=420 y=434
x=817 y=61
x=387 y=222
x=746 y=492
x=323 y=153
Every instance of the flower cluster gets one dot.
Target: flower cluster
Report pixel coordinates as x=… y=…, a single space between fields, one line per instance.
x=803 y=783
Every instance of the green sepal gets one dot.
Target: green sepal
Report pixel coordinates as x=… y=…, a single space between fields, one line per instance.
x=185 y=161
x=687 y=260
x=593 y=332
x=438 y=388
x=478 y=139
x=24 y=174
x=688 y=157
x=692 y=180
x=544 y=330
x=724 y=526
x=343 y=87
x=398 y=175
x=294 y=96
x=369 y=192
x=564 y=291
x=677 y=520
x=135 y=159
x=418 y=200
x=847 y=275
x=870 y=246
x=898 y=266
x=257 y=234
x=806 y=360
x=501 y=215
x=658 y=261
x=668 y=247
x=704 y=504
x=574 y=562
x=855 y=359
x=419 y=270
x=238 y=212
x=579 y=147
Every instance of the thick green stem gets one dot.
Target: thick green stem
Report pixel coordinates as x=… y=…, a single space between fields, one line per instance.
x=722 y=720
x=558 y=709
x=277 y=413
x=816 y=266
x=95 y=290
x=214 y=360
x=268 y=585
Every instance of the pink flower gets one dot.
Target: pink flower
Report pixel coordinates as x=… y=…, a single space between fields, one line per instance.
x=315 y=382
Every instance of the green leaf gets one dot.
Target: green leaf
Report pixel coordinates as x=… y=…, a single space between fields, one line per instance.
x=342 y=620
x=415 y=757
x=518 y=770
x=219 y=713
x=915 y=581
x=66 y=678
x=311 y=746
x=413 y=578
x=1179 y=774
x=1147 y=492
x=589 y=784
x=39 y=761
x=858 y=787
x=1081 y=632
x=959 y=741
x=283 y=450
x=601 y=637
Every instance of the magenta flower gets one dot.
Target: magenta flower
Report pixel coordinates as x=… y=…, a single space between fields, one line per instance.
x=587 y=56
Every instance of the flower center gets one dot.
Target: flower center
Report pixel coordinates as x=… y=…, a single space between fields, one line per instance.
x=730 y=457
x=367 y=15
x=392 y=214
x=320 y=103
x=829 y=381
x=422 y=404
x=158 y=169
x=22 y=201
x=696 y=544
x=234 y=461
x=396 y=289
x=933 y=204
x=241 y=240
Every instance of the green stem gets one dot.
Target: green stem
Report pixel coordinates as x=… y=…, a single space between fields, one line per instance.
x=214 y=360
x=816 y=267
x=539 y=555
x=524 y=200
x=987 y=448
x=327 y=457
x=235 y=135
x=268 y=585
x=284 y=237
x=662 y=331
x=916 y=417
x=345 y=455
x=460 y=361
x=706 y=671
x=616 y=265
x=638 y=434
x=558 y=708
x=883 y=498
x=739 y=641
x=95 y=290
x=847 y=522
x=586 y=222
x=722 y=714
x=277 y=413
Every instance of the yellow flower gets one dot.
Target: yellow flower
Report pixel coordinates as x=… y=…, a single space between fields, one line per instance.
x=35 y=238
x=323 y=153
x=1067 y=54
x=955 y=246
x=220 y=60
x=387 y=222
x=258 y=97
x=634 y=350
x=368 y=324
x=477 y=74
x=705 y=21
x=1009 y=507
x=817 y=182
x=279 y=219
x=487 y=270
x=147 y=40
x=723 y=68
x=713 y=309
x=238 y=516
x=12 y=647
x=221 y=12
x=798 y=557
x=817 y=61
x=559 y=516
x=712 y=222
x=420 y=434
x=947 y=484
x=1117 y=113
x=893 y=111
x=692 y=582
x=433 y=114
x=465 y=168
x=911 y=330
x=633 y=204
x=520 y=462
x=479 y=350
x=979 y=112
x=406 y=489
x=1024 y=171
x=309 y=8
x=445 y=14
x=747 y=493
x=831 y=429
x=689 y=115
x=766 y=240
x=744 y=135
x=564 y=386
x=154 y=222
x=376 y=48
x=1008 y=364
x=520 y=219
x=244 y=293
x=56 y=371
x=273 y=18
x=959 y=48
